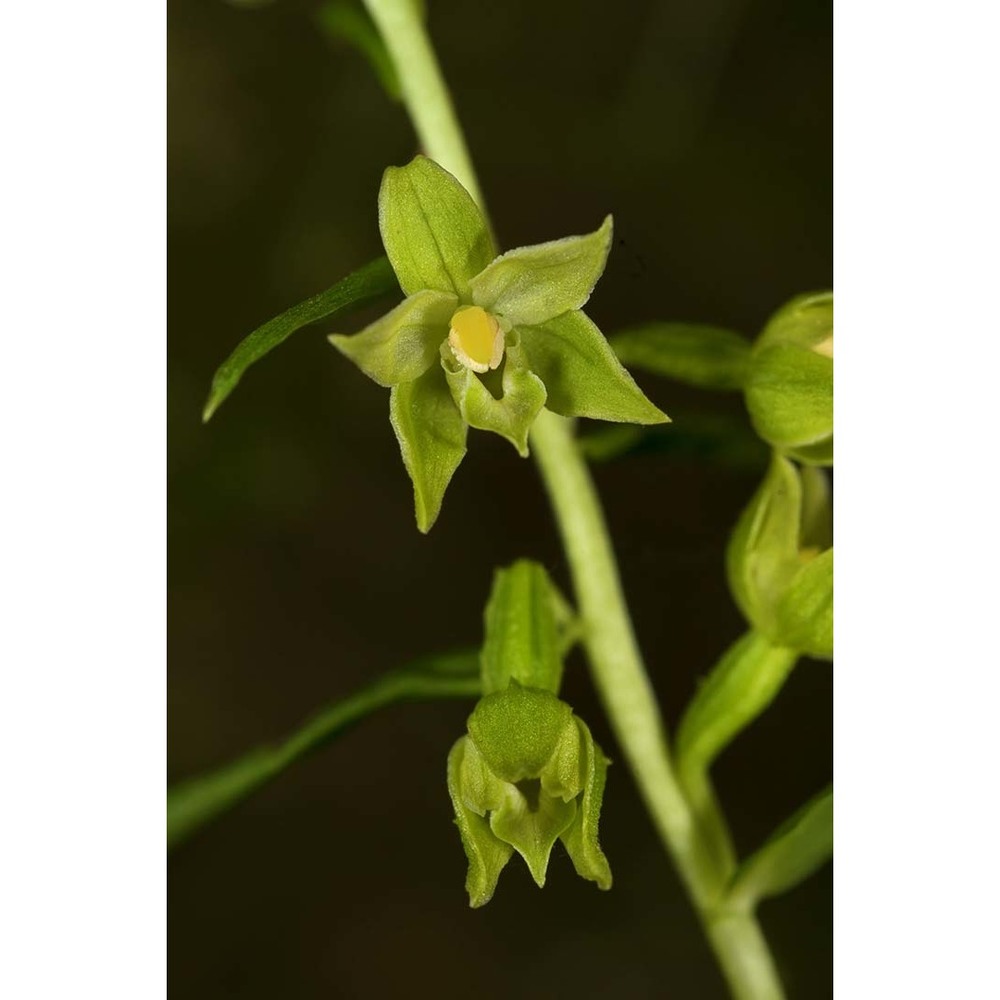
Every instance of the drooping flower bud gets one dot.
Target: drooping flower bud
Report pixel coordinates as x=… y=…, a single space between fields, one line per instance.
x=780 y=559
x=527 y=774
x=789 y=384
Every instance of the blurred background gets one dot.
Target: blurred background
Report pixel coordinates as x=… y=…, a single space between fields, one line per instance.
x=296 y=573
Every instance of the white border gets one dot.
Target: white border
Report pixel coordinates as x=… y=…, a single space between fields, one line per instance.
x=82 y=560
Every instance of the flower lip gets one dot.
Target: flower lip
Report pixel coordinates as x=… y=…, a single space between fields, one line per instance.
x=476 y=339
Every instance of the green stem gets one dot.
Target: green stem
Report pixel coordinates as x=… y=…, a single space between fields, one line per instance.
x=627 y=694
x=424 y=91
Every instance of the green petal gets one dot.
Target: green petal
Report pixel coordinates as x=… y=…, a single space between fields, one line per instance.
x=431 y=435
x=582 y=376
x=487 y=854
x=512 y=415
x=532 y=821
x=581 y=839
x=404 y=343
x=533 y=284
x=433 y=232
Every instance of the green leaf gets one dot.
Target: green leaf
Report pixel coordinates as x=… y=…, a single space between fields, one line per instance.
x=522 y=631
x=431 y=435
x=371 y=282
x=486 y=853
x=805 y=612
x=709 y=357
x=581 y=839
x=799 y=847
x=517 y=730
x=404 y=343
x=533 y=284
x=510 y=416
x=789 y=393
x=194 y=802
x=343 y=21
x=582 y=376
x=719 y=438
x=742 y=684
x=432 y=230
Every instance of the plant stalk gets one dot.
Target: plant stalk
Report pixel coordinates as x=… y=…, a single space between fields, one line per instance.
x=425 y=93
x=624 y=687
x=614 y=655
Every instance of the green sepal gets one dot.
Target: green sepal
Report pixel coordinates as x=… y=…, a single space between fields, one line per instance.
x=806 y=320
x=510 y=416
x=533 y=284
x=431 y=435
x=789 y=394
x=709 y=357
x=487 y=854
x=779 y=560
x=789 y=386
x=797 y=849
x=804 y=616
x=763 y=553
x=405 y=342
x=517 y=730
x=523 y=638
x=581 y=839
x=532 y=822
x=582 y=375
x=433 y=232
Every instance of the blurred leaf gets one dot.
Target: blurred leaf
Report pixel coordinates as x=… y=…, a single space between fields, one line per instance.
x=789 y=392
x=194 y=802
x=799 y=847
x=523 y=639
x=344 y=21
x=709 y=357
x=431 y=435
x=714 y=437
x=533 y=284
x=373 y=281
x=582 y=375
x=742 y=684
x=432 y=230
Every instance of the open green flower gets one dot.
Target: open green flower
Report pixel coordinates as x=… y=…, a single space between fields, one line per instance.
x=482 y=340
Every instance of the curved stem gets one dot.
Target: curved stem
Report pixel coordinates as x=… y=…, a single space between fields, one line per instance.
x=627 y=694
x=424 y=92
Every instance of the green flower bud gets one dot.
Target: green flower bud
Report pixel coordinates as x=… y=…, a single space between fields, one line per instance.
x=780 y=559
x=789 y=385
x=527 y=774
x=482 y=340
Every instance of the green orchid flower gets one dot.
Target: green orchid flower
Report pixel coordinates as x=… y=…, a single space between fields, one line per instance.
x=482 y=340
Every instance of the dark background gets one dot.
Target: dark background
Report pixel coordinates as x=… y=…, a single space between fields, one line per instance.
x=296 y=572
